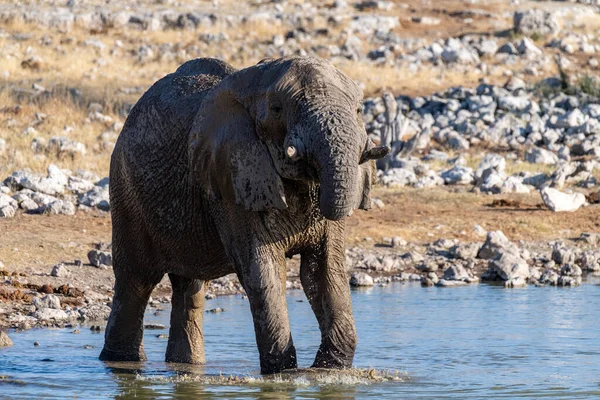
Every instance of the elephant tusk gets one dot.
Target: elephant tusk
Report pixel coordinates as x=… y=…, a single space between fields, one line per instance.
x=292 y=152
x=375 y=153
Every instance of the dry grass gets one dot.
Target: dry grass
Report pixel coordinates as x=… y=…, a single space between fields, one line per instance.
x=101 y=74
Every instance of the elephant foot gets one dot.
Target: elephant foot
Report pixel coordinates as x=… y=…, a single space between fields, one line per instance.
x=331 y=359
x=184 y=357
x=276 y=365
x=110 y=355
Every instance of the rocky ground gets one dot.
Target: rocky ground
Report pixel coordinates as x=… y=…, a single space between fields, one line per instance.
x=492 y=111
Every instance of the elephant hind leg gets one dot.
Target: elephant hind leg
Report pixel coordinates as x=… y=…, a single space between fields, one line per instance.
x=186 y=340
x=125 y=329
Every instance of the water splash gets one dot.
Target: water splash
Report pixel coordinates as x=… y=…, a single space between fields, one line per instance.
x=291 y=378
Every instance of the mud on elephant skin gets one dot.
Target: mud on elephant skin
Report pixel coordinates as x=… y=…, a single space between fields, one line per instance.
x=220 y=171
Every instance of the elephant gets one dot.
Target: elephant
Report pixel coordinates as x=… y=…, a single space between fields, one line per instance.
x=220 y=171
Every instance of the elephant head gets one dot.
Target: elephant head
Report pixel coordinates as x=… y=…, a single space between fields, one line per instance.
x=296 y=118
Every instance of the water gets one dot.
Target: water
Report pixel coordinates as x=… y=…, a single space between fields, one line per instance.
x=477 y=341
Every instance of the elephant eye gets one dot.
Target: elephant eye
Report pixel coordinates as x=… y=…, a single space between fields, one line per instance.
x=359 y=109
x=276 y=109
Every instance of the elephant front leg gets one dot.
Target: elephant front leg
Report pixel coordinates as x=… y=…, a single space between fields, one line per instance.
x=261 y=279
x=186 y=340
x=325 y=282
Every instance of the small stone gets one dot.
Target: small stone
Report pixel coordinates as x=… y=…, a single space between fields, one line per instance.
x=397 y=241
x=162 y=336
x=36 y=344
x=215 y=310
x=154 y=326
x=59 y=271
x=570 y=270
x=515 y=282
x=48 y=289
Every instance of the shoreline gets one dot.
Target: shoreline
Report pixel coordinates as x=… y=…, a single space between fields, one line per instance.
x=41 y=300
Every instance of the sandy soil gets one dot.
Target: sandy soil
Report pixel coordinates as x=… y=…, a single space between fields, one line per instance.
x=32 y=244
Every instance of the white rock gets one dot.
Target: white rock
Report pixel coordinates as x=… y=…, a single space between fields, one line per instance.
x=47 y=314
x=495 y=245
x=59 y=271
x=48 y=301
x=528 y=48
x=558 y=201
x=456 y=273
x=509 y=266
x=361 y=279
x=514 y=184
x=538 y=155
x=515 y=282
x=458 y=175
x=8 y=206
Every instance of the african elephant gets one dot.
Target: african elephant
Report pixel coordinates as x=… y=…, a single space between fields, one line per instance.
x=220 y=171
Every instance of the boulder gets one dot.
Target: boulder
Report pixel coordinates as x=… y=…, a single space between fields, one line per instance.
x=537 y=155
x=48 y=314
x=528 y=49
x=514 y=184
x=563 y=255
x=508 y=266
x=535 y=21
x=570 y=270
x=515 y=282
x=448 y=283
x=458 y=175
x=465 y=251
x=59 y=207
x=398 y=177
x=65 y=147
x=496 y=244
x=8 y=206
x=491 y=163
x=98 y=197
x=558 y=201
x=100 y=258
x=361 y=279
x=59 y=271
x=456 y=273
x=48 y=301
x=549 y=277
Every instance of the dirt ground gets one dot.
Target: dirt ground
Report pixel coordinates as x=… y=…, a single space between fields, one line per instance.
x=32 y=244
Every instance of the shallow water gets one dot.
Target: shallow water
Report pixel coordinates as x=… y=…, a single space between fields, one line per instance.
x=476 y=341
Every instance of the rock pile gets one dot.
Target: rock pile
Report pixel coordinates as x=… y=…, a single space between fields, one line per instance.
x=60 y=192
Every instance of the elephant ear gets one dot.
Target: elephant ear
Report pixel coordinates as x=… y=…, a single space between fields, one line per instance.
x=228 y=160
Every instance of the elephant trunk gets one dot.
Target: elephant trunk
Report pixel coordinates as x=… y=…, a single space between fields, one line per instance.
x=335 y=151
x=337 y=198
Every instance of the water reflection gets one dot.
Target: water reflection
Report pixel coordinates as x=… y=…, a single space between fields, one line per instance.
x=469 y=342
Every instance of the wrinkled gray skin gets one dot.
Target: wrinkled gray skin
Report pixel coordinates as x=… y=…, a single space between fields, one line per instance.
x=220 y=171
